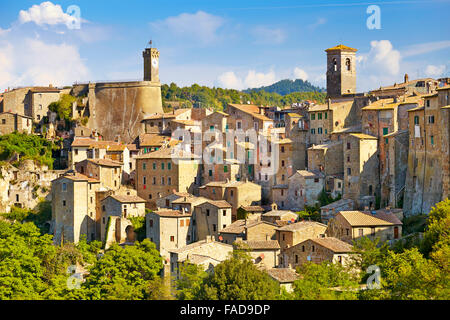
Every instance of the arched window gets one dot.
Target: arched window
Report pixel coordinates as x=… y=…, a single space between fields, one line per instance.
x=334 y=64
x=348 y=64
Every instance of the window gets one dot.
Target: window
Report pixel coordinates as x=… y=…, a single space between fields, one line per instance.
x=231 y=193
x=313 y=131
x=154 y=165
x=303 y=248
x=313 y=116
x=430 y=119
x=76 y=152
x=326 y=115
x=361 y=232
x=64 y=187
x=372 y=231
x=432 y=140
x=144 y=166
x=162 y=181
x=144 y=180
x=349 y=171
x=162 y=166
x=224 y=212
x=266 y=177
x=225 y=168
x=169 y=181
x=169 y=166
x=181 y=223
x=385 y=131
x=428 y=102
x=282 y=149
x=334 y=64
x=348 y=231
x=154 y=180
x=150 y=196
x=340 y=259
x=282 y=177
x=416 y=119
x=319 y=116
x=3 y=121
x=64 y=201
x=348 y=158
x=172 y=238
x=214 y=228
x=284 y=237
x=313 y=249
x=348 y=64
x=211 y=128
x=348 y=146
x=319 y=130
x=207 y=212
x=210 y=173
x=296 y=258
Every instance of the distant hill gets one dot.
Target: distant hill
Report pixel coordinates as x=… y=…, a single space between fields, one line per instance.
x=287 y=86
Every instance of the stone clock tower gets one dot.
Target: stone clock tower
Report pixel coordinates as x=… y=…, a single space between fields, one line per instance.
x=151 y=64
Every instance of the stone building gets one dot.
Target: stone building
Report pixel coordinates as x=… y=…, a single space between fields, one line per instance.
x=169 y=229
x=244 y=229
x=428 y=157
x=279 y=215
x=297 y=130
x=341 y=70
x=117 y=108
x=10 y=122
x=330 y=210
x=285 y=277
x=205 y=253
x=116 y=211
x=327 y=158
x=74 y=207
x=160 y=173
x=264 y=253
x=236 y=193
x=108 y=172
x=211 y=217
x=361 y=181
x=187 y=204
x=294 y=233
x=304 y=189
x=352 y=225
x=316 y=250
x=160 y=123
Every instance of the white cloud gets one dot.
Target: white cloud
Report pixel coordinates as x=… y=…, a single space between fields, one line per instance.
x=434 y=71
x=300 y=74
x=199 y=26
x=319 y=22
x=253 y=79
x=34 y=62
x=267 y=36
x=380 y=66
x=229 y=80
x=46 y=13
x=423 y=48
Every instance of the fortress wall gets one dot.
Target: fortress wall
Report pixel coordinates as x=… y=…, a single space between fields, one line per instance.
x=116 y=109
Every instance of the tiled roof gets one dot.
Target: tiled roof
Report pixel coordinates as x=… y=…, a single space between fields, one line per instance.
x=239 y=226
x=283 y=275
x=251 y=110
x=171 y=213
x=341 y=47
x=219 y=203
x=387 y=215
x=363 y=136
x=152 y=140
x=307 y=174
x=79 y=177
x=253 y=208
x=278 y=213
x=334 y=244
x=127 y=198
x=359 y=218
x=337 y=204
x=260 y=244
x=166 y=153
x=301 y=225
x=105 y=162
x=167 y=115
x=201 y=243
x=100 y=144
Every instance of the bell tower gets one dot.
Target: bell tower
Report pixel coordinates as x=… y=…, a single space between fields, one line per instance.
x=341 y=71
x=151 y=64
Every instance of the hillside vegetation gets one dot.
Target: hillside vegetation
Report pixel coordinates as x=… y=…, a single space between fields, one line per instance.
x=288 y=86
x=218 y=98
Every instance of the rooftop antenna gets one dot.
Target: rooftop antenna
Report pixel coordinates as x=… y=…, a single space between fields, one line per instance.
x=150 y=43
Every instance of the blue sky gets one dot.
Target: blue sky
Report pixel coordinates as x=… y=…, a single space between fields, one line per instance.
x=234 y=44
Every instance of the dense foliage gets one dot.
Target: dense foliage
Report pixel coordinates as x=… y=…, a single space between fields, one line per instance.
x=63 y=107
x=31 y=146
x=218 y=98
x=288 y=86
x=40 y=215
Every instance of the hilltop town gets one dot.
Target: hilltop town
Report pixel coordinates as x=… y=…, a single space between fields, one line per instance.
x=289 y=184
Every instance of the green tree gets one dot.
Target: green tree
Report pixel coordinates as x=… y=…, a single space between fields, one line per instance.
x=190 y=281
x=325 y=281
x=63 y=107
x=237 y=278
x=124 y=273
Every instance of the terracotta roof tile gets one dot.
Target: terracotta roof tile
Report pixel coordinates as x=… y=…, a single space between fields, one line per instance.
x=359 y=218
x=283 y=275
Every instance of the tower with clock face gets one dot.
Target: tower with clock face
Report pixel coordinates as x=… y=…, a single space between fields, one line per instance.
x=151 y=64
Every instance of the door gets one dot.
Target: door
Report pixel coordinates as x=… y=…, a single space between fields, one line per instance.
x=395 y=232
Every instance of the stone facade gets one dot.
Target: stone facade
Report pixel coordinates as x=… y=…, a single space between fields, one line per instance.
x=341 y=71
x=294 y=233
x=304 y=189
x=10 y=122
x=211 y=217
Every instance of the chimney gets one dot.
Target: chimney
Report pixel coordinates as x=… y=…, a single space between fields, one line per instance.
x=329 y=103
x=406 y=77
